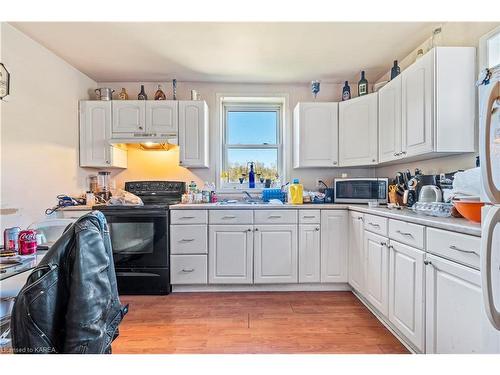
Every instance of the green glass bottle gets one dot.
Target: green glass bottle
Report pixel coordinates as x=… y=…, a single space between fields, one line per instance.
x=362 y=85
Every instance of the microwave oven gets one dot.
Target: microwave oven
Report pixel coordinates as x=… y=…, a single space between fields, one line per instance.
x=360 y=190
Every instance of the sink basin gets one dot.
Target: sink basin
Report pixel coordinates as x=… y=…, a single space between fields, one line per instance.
x=238 y=203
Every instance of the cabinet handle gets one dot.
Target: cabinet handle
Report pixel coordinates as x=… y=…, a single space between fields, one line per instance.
x=403 y=153
x=453 y=247
x=361 y=218
x=373 y=160
x=187 y=240
x=427 y=262
x=316 y=229
x=334 y=163
x=187 y=217
x=383 y=244
x=188 y=270
x=229 y=217
x=256 y=229
x=374 y=225
x=107 y=161
x=180 y=161
x=309 y=216
x=274 y=217
x=249 y=230
x=405 y=233
x=140 y=128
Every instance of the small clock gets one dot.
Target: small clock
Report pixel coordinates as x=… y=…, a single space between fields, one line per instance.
x=4 y=81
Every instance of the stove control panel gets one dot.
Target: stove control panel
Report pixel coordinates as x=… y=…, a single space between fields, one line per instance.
x=155 y=187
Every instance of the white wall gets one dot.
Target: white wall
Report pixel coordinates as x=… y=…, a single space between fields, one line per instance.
x=39 y=129
x=209 y=91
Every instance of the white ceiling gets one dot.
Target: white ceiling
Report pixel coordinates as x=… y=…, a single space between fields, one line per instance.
x=229 y=52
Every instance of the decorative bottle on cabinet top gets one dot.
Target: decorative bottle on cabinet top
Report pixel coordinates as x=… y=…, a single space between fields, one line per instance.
x=362 y=85
x=160 y=95
x=346 y=91
x=395 y=70
x=123 y=94
x=142 y=95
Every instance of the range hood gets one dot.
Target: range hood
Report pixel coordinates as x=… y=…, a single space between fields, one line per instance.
x=146 y=140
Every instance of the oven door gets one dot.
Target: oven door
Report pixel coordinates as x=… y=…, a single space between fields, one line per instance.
x=139 y=240
x=361 y=191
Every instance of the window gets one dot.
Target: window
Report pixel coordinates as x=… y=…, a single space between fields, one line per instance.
x=251 y=133
x=489 y=49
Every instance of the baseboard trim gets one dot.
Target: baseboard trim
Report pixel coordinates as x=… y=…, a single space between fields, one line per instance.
x=262 y=288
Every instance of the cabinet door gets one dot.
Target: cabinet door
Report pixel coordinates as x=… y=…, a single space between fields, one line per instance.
x=275 y=254
x=376 y=271
x=389 y=121
x=358 y=131
x=455 y=318
x=315 y=135
x=417 y=96
x=406 y=292
x=356 y=252
x=230 y=254
x=334 y=231
x=161 y=117
x=193 y=134
x=129 y=116
x=309 y=253
x=95 y=131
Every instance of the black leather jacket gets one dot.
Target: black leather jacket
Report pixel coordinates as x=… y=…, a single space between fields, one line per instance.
x=70 y=301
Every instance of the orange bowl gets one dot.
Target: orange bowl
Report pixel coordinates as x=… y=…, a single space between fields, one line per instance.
x=469 y=209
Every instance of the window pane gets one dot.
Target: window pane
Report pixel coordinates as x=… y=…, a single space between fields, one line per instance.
x=494 y=51
x=251 y=127
x=265 y=161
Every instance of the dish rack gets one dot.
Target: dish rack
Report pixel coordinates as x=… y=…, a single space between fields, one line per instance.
x=268 y=194
x=438 y=209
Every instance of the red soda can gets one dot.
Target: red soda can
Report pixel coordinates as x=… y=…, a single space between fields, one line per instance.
x=10 y=237
x=27 y=242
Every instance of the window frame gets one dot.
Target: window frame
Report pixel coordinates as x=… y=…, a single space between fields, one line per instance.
x=250 y=106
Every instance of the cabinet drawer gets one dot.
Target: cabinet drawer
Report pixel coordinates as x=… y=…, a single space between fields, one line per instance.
x=376 y=224
x=309 y=216
x=188 y=217
x=231 y=217
x=410 y=234
x=275 y=216
x=188 y=269
x=454 y=246
x=188 y=239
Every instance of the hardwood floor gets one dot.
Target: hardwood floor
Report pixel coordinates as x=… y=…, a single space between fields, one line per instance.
x=260 y=322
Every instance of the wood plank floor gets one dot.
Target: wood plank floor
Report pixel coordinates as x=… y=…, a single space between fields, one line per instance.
x=263 y=322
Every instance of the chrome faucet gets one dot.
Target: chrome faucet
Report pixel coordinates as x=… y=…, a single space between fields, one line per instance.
x=247 y=194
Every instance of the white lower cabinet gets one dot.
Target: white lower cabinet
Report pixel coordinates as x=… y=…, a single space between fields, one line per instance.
x=376 y=271
x=455 y=319
x=230 y=258
x=275 y=258
x=309 y=253
x=406 y=292
x=188 y=269
x=356 y=251
x=334 y=229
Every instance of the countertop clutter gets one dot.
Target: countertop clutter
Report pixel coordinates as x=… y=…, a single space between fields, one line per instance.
x=452 y=224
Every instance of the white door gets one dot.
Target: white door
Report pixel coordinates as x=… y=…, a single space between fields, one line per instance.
x=356 y=252
x=161 y=117
x=455 y=319
x=95 y=132
x=309 y=253
x=406 y=292
x=376 y=271
x=334 y=243
x=129 y=116
x=193 y=134
x=275 y=254
x=358 y=131
x=315 y=135
x=389 y=121
x=230 y=254
x=416 y=106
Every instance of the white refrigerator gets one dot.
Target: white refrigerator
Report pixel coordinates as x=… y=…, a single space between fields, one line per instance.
x=489 y=143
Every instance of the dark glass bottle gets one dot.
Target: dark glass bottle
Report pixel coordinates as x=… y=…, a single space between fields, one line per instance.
x=346 y=91
x=251 y=177
x=142 y=95
x=395 y=70
x=362 y=85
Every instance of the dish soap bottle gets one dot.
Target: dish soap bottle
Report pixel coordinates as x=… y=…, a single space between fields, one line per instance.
x=296 y=192
x=395 y=70
x=346 y=91
x=362 y=85
x=251 y=177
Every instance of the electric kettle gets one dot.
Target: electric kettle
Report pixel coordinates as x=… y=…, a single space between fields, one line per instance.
x=430 y=193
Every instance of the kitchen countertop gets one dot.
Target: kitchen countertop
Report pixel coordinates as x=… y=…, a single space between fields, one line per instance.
x=459 y=225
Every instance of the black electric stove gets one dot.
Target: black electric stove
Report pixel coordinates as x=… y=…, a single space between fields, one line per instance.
x=140 y=237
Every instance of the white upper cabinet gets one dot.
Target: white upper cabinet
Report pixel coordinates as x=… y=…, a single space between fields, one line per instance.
x=315 y=135
x=95 y=132
x=129 y=116
x=161 y=116
x=193 y=134
x=389 y=121
x=334 y=229
x=438 y=102
x=358 y=131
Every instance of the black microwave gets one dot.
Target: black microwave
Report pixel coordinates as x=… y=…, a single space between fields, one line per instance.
x=360 y=190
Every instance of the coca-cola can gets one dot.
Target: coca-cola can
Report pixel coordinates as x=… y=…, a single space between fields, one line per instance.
x=27 y=242
x=10 y=237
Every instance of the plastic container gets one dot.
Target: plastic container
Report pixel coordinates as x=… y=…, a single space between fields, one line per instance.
x=296 y=192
